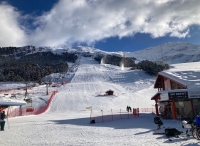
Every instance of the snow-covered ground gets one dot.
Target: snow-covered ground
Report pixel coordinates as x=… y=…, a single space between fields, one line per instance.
x=67 y=121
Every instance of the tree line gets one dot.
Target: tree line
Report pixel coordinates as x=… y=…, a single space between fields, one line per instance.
x=149 y=67
x=116 y=60
x=15 y=65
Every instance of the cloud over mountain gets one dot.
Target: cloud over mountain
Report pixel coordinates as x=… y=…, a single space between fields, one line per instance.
x=11 y=32
x=89 y=21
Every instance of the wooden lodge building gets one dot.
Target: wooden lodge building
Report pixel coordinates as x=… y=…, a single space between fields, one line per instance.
x=109 y=92
x=178 y=91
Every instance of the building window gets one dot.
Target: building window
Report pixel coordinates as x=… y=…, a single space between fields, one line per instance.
x=173 y=85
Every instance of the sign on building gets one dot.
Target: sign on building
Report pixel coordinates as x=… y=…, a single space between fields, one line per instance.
x=178 y=95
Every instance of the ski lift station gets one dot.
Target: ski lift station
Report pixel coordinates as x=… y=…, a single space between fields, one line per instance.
x=178 y=91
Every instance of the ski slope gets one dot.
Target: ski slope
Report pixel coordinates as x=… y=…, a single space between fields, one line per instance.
x=92 y=80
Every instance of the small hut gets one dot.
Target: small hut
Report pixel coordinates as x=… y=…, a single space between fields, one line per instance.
x=109 y=92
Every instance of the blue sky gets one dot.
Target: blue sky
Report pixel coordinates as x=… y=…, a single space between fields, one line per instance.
x=111 y=25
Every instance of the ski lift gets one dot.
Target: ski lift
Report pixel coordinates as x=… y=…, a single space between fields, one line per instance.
x=54 y=86
x=28 y=100
x=29 y=107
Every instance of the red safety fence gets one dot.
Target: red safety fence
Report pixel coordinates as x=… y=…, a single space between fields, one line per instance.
x=37 y=112
x=105 y=116
x=147 y=110
x=23 y=111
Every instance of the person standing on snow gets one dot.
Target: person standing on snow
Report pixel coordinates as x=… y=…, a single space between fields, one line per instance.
x=127 y=108
x=2 y=120
x=130 y=109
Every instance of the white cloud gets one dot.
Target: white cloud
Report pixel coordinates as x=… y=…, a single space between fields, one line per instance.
x=88 y=21
x=11 y=33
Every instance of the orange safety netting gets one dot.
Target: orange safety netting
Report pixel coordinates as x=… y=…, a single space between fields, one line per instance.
x=22 y=111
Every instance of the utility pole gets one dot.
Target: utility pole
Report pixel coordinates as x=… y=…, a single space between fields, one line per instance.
x=62 y=76
x=26 y=92
x=47 y=92
x=47 y=80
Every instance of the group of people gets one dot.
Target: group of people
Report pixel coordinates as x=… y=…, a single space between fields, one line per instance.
x=2 y=120
x=128 y=108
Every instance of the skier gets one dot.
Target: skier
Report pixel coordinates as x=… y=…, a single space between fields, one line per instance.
x=2 y=120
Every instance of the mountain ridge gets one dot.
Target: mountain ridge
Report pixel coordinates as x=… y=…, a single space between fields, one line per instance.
x=170 y=53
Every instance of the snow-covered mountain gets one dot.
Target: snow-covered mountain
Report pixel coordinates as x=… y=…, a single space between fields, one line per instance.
x=170 y=53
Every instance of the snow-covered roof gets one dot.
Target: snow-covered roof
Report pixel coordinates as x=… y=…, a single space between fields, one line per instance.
x=109 y=91
x=187 y=74
x=11 y=102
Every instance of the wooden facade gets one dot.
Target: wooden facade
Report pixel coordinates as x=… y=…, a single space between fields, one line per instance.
x=174 y=97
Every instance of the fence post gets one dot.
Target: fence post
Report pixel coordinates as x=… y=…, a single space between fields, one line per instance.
x=91 y=116
x=20 y=110
x=8 y=112
x=128 y=114
x=102 y=115
x=112 y=114
x=120 y=114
